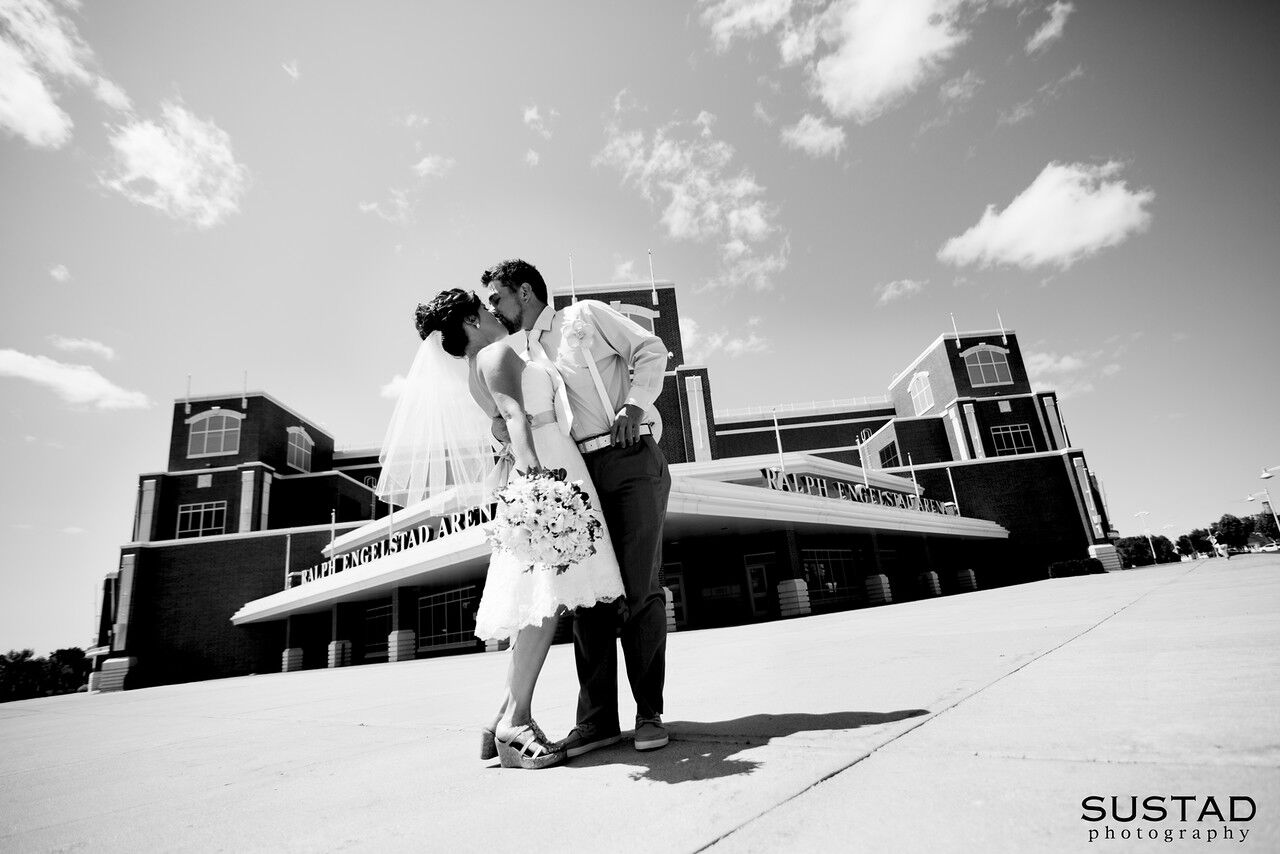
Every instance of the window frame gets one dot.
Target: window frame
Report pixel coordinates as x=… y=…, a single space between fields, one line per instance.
x=199 y=420
x=300 y=436
x=1006 y=433
x=197 y=510
x=897 y=460
x=991 y=351
x=919 y=389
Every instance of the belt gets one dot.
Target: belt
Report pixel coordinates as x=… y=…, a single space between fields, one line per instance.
x=605 y=440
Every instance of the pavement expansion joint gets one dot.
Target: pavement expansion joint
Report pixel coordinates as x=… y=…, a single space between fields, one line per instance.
x=925 y=720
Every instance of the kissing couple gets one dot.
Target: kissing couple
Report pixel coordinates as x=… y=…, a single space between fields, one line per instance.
x=581 y=400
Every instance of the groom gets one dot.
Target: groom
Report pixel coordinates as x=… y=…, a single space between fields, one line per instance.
x=613 y=371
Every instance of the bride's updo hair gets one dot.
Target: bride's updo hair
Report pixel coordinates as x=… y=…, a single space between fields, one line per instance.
x=446 y=313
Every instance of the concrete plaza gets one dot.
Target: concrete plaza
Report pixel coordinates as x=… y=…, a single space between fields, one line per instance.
x=976 y=722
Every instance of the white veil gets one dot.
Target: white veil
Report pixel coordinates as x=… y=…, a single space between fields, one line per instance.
x=438 y=446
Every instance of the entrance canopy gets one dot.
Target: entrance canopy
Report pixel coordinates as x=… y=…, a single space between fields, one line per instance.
x=746 y=495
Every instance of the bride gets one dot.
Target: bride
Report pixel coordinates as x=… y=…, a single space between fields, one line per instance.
x=439 y=449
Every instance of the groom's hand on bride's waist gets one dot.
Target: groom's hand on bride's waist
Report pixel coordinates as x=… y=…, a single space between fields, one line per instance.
x=626 y=426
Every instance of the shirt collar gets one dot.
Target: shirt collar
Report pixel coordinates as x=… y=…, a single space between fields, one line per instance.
x=543 y=323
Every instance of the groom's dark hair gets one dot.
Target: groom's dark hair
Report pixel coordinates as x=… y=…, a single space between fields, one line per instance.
x=514 y=273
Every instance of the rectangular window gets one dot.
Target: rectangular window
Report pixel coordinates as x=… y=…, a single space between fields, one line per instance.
x=1013 y=439
x=889 y=456
x=299 y=455
x=377 y=628
x=697 y=419
x=202 y=520
x=447 y=620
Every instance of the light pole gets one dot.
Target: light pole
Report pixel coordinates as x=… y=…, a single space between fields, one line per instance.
x=1266 y=475
x=1144 y=514
x=1271 y=506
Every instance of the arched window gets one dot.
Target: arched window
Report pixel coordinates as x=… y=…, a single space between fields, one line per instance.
x=921 y=393
x=300 y=445
x=987 y=365
x=214 y=433
x=371 y=482
x=641 y=315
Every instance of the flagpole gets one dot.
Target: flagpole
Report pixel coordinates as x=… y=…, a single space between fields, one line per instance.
x=573 y=292
x=777 y=434
x=652 y=281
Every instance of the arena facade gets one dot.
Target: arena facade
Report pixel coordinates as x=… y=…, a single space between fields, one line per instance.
x=262 y=548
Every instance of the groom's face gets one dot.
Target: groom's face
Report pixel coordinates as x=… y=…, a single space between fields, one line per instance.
x=505 y=306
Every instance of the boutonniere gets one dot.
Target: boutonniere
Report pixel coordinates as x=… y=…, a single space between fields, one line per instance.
x=578 y=336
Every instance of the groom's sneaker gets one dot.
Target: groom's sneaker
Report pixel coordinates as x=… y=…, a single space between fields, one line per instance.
x=581 y=740
x=650 y=733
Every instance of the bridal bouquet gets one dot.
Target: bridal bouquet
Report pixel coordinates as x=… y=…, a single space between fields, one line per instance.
x=544 y=521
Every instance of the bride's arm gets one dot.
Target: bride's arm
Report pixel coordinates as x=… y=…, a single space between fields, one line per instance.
x=500 y=368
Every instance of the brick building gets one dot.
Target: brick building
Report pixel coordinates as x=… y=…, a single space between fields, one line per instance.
x=261 y=547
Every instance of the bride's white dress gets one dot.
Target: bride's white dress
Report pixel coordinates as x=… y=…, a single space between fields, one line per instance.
x=514 y=598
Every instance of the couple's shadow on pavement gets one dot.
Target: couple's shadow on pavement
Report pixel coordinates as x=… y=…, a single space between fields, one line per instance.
x=703 y=750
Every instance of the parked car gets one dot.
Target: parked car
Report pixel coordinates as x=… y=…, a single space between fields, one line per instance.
x=1270 y=547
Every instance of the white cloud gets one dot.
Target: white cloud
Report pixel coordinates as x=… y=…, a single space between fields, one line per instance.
x=181 y=165
x=433 y=166
x=400 y=209
x=1070 y=374
x=532 y=158
x=291 y=68
x=27 y=107
x=883 y=50
x=76 y=384
x=414 y=120
x=112 y=95
x=60 y=273
x=1044 y=95
x=704 y=197
x=1071 y=211
x=1051 y=30
x=82 y=345
x=729 y=19
x=901 y=289
x=700 y=345
x=624 y=271
x=762 y=114
x=393 y=387
x=1052 y=363
x=40 y=49
x=960 y=90
x=955 y=95
x=535 y=121
x=814 y=137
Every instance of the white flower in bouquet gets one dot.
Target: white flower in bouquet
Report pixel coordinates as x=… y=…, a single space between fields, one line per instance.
x=544 y=521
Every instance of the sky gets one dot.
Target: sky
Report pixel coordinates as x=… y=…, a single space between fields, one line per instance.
x=215 y=189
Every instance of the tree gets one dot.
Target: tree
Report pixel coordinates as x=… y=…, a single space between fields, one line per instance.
x=1165 y=552
x=1265 y=524
x=1199 y=538
x=1134 y=551
x=1232 y=530
x=23 y=676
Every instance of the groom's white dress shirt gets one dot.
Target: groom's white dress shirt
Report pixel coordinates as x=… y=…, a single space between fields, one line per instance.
x=630 y=361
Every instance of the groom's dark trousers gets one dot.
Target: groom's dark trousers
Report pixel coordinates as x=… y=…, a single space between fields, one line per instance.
x=633 y=484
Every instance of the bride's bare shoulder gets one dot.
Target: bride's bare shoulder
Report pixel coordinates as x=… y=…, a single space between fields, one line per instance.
x=498 y=356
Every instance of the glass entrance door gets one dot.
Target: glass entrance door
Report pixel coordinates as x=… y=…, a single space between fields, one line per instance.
x=757 y=568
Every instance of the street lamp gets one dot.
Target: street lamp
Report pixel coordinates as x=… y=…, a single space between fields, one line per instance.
x=1144 y=514
x=1266 y=472
x=1270 y=504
